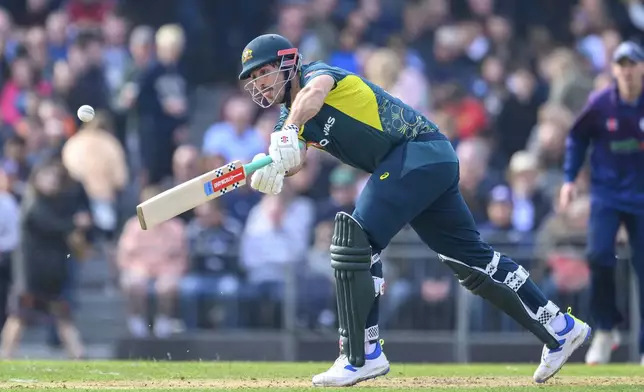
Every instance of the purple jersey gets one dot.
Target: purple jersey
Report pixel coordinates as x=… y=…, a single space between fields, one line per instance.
x=615 y=132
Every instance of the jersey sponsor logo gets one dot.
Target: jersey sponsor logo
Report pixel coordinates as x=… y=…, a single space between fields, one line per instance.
x=327 y=130
x=384 y=176
x=627 y=146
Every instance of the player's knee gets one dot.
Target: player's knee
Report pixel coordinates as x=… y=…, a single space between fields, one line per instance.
x=375 y=243
x=350 y=247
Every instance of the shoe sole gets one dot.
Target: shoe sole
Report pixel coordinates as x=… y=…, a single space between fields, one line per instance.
x=541 y=381
x=367 y=378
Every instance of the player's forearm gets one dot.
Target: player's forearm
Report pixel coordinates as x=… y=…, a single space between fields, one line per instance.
x=307 y=104
x=574 y=158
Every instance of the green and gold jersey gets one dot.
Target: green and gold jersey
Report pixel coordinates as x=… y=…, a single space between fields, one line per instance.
x=359 y=123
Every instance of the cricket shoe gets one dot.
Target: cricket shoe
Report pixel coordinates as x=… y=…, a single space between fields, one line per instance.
x=573 y=336
x=602 y=346
x=343 y=374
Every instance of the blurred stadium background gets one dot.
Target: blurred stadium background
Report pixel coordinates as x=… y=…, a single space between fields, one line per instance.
x=503 y=78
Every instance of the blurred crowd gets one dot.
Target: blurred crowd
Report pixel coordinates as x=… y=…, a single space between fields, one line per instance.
x=503 y=79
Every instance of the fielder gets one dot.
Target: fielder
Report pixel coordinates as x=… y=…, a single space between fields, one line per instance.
x=414 y=181
x=613 y=124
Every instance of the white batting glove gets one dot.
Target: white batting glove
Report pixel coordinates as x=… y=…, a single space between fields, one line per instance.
x=268 y=179
x=285 y=148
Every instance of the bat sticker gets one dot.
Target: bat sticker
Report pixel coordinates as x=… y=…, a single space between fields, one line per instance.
x=223 y=181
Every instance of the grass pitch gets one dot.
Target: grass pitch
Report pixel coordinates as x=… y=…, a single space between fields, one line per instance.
x=277 y=377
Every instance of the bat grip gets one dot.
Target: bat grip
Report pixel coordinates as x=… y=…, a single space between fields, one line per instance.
x=258 y=164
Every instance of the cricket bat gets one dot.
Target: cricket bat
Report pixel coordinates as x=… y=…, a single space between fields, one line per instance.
x=186 y=196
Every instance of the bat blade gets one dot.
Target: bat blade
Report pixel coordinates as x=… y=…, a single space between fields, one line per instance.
x=186 y=196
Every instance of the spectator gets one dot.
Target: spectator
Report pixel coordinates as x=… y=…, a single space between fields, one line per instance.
x=316 y=278
x=16 y=168
x=491 y=87
x=115 y=53
x=9 y=237
x=531 y=204
x=162 y=105
x=214 y=272
x=475 y=184
x=235 y=138
x=500 y=209
x=560 y=249
x=95 y=158
x=51 y=229
x=86 y=63
x=152 y=261
x=57 y=35
x=186 y=165
x=549 y=149
x=519 y=114
x=141 y=50
x=37 y=49
x=343 y=194
x=14 y=95
x=274 y=242
x=569 y=82
x=292 y=24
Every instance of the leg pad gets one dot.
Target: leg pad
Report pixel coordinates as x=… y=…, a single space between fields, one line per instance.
x=351 y=259
x=503 y=295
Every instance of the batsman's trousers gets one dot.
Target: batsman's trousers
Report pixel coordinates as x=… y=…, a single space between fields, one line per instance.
x=417 y=184
x=604 y=223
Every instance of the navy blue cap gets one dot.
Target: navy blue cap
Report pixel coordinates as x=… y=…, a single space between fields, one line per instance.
x=628 y=50
x=501 y=194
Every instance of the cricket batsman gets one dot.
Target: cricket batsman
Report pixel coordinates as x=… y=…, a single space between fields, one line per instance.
x=414 y=180
x=613 y=124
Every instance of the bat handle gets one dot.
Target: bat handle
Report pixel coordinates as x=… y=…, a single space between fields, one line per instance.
x=258 y=164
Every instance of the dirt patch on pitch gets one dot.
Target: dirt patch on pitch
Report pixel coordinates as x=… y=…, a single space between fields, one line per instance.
x=391 y=382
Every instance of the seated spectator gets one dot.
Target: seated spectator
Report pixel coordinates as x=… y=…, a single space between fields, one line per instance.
x=185 y=167
x=500 y=209
x=214 y=272
x=475 y=182
x=343 y=193
x=152 y=262
x=51 y=229
x=274 y=243
x=531 y=204
x=235 y=138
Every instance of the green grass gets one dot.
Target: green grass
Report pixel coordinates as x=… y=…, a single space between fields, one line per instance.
x=276 y=377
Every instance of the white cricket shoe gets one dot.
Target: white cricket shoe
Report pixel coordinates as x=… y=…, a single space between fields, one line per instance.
x=602 y=346
x=343 y=374
x=571 y=338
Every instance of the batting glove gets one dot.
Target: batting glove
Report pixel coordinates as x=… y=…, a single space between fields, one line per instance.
x=268 y=179
x=285 y=148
